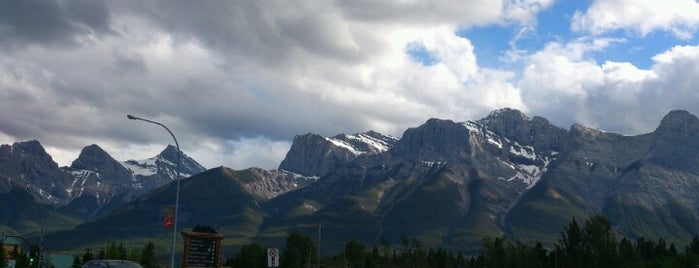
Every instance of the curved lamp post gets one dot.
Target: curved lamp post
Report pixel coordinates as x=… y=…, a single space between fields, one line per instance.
x=177 y=194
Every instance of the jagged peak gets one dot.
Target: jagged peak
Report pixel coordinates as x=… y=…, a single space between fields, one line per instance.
x=89 y=156
x=32 y=147
x=433 y=124
x=583 y=129
x=95 y=148
x=433 y=121
x=580 y=127
x=170 y=152
x=506 y=114
x=679 y=119
x=28 y=144
x=539 y=119
x=29 y=149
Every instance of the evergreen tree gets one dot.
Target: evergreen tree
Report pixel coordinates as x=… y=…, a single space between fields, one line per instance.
x=298 y=251
x=571 y=246
x=460 y=260
x=599 y=243
x=355 y=253
x=3 y=256
x=494 y=254
x=629 y=255
x=693 y=247
x=111 y=252
x=134 y=255
x=102 y=254
x=536 y=256
x=250 y=255
x=121 y=251
x=88 y=255
x=76 y=262
x=691 y=253
x=148 y=257
x=374 y=259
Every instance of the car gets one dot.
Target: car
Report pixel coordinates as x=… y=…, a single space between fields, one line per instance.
x=111 y=264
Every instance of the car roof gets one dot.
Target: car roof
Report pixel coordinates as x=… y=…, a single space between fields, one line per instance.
x=111 y=264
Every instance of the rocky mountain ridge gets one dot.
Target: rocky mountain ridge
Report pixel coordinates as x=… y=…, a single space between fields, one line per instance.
x=443 y=182
x=93 y=182
x=450 y=184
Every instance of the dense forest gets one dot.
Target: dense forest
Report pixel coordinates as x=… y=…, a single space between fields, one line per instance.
x=594 y=244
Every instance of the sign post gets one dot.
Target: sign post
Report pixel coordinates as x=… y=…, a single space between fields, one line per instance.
x=272 y=257
x=202 y=249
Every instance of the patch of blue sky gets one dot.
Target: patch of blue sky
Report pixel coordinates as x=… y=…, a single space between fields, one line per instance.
x=420 y=54
x=640 y=50
x=490 y=43
x=554 y=25
x=493 y=42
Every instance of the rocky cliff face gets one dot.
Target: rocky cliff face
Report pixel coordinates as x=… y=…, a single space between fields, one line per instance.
x=27 y=165
x=312 y=155
x=436 y=140
x=98 y=179
x=101 y=183
x=674 y=144
x=516 y=126
x=443 y=182
x=646 y=184
x=450 y=184
x=453 y=183
x=95 y=182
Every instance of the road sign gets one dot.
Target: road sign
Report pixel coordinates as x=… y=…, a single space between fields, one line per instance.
x=272 y=257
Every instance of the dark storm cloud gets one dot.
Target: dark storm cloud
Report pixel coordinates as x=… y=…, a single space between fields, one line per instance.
x=236 y=80
x=241 y=28
x=51 y=22
x=128 y=62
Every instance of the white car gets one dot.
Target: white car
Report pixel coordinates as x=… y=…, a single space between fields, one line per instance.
x=111 y=264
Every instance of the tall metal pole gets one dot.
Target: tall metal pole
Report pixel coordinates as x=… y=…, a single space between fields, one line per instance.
x=177 y=192
x=319 y=226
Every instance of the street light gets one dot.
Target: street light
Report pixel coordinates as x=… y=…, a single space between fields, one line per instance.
x=177 y=194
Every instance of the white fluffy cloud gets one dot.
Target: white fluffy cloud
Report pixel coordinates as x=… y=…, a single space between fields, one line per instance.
x=615 y=96
x=681 y=17
x=235 y=81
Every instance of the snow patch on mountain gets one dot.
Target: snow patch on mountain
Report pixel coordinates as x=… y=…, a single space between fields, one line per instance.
x=530 y=174
x=363 y=143
x=523 y=151
x=528 y=164
x=343 y=144
x=145 y=167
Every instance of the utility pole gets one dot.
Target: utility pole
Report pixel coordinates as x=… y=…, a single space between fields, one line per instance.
x=319 y=226
x=41 y=240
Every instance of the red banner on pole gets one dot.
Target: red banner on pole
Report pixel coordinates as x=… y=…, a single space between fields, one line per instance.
x=168 y=218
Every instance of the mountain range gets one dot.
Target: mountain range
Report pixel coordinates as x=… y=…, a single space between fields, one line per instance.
x=444 y=183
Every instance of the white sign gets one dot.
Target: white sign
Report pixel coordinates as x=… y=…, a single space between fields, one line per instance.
x=272 y=257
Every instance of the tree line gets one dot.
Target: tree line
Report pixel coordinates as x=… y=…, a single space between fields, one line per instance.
x=146 y=256
x=594 y=244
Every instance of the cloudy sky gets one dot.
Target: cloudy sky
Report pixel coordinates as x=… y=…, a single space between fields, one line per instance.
x=237 y=80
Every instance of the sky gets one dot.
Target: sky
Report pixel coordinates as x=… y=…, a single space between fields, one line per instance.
x=235 y=81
